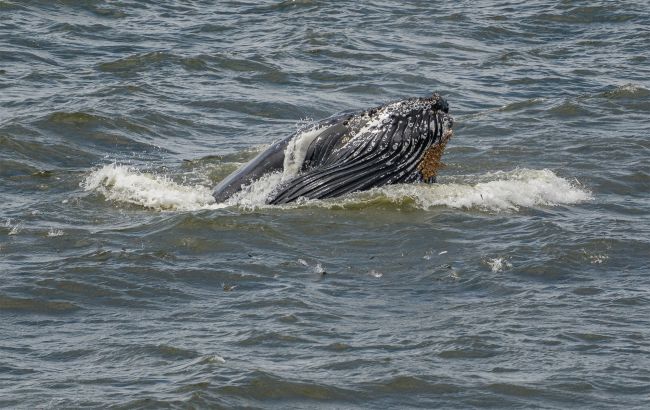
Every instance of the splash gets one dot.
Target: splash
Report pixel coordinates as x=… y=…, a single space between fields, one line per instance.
x=13 y=229
x=498 y=264
x=496 y=191
x=294 y=154
x=125 y=184
x=627 y=91
x=255 y=194
x=317 y=268
x=54 y=233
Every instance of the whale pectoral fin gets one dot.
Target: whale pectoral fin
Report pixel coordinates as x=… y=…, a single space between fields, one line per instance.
x=323 y=138
x=269 y=160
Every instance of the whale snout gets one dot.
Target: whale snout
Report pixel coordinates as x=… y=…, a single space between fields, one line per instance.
x=438 y=103
x=398 y=142
x=447 y=125
x=439 y=111
x=440 y=123
x=441 y=108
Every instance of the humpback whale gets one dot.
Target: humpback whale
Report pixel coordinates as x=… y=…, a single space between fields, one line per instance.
x=398 y=142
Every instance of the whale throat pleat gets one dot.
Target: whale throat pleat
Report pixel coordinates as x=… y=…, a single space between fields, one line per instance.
x=381 y=156
x=398 y=142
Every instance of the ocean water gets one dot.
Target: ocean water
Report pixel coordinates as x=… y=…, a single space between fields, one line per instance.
x=520 y=280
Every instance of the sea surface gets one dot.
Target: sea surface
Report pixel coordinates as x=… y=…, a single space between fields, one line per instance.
x=520 y=280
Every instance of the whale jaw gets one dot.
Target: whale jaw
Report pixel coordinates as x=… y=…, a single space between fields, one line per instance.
x=395 y=143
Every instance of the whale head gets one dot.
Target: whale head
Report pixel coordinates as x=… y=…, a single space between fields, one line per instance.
x=398 y=142
x=403 y=132
x=413 y=119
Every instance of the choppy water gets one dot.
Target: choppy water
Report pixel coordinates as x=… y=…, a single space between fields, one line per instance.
x=520 y=280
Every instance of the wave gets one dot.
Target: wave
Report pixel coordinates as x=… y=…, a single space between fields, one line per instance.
x=121 y=183
x=631 y=91
x=494 y=191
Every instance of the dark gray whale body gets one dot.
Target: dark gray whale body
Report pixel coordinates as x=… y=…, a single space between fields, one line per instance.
x=398 y=142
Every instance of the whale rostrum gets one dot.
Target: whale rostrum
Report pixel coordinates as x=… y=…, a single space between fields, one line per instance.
x=398 y=142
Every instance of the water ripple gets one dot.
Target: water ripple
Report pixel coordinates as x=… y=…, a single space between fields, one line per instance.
x=518 y=280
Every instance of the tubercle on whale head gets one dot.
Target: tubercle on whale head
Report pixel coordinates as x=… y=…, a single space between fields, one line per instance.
x=422 y=118
x=446 y=120
x=439 y=103
x=409 y=105
x=447 y=125
x=435 y=104
x=430 y=162
x=398 y=142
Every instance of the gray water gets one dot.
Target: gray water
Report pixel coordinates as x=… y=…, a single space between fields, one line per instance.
x=520 y=280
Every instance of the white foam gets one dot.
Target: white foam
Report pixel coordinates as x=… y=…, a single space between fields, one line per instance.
x=54 y=233
x=215 y=358
x=318 y=269
x=13 y=229
x=294 y=154
x=495 y=191
x=126 y=184
x=257 y=192
x=498 y=264
x=632 y=88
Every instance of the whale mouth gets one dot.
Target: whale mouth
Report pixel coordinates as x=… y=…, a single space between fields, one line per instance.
x=400 y=142
x=431 y=113
x=439 y=134
x=444 y=122
x=447 y=125
x=430 y=126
